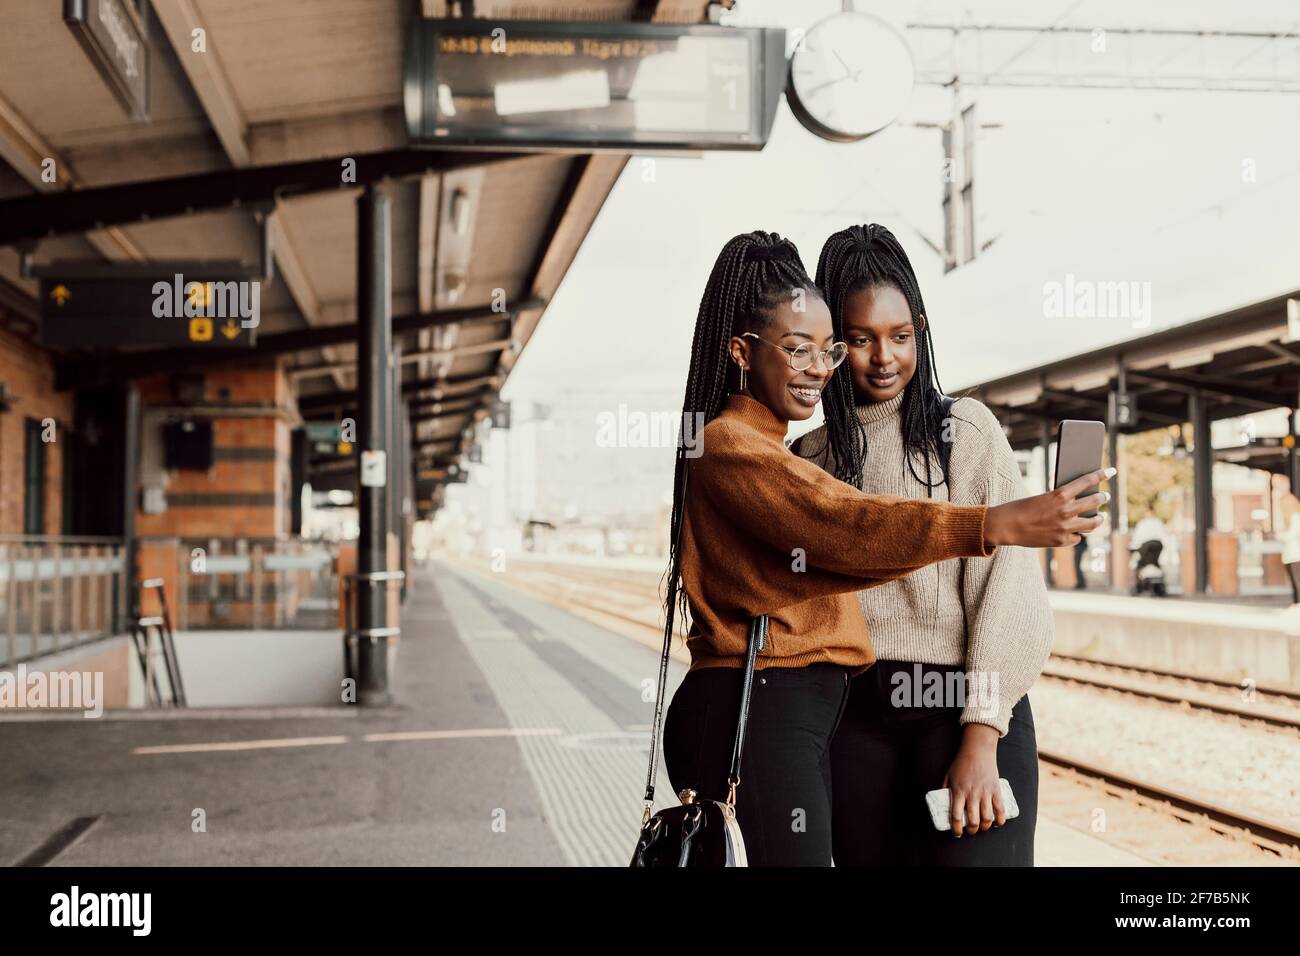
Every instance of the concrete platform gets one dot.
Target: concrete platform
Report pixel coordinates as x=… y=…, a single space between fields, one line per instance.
x=1056 y=844
x=1198 y=638
x=517 y=740
x=307 y=790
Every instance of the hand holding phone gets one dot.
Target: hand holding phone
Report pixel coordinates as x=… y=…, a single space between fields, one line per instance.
x=940 y=802
x=1079 y=447
x=1050 y=519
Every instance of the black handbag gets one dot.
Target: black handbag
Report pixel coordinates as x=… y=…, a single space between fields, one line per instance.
x=699 y=832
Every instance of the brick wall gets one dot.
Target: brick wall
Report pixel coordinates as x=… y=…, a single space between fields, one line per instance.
x=244 y=495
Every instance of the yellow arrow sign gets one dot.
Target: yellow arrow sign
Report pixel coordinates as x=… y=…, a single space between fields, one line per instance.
x=230 y=329
x=60 y=294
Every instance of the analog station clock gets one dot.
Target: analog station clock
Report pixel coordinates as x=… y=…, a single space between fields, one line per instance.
x=850 y=75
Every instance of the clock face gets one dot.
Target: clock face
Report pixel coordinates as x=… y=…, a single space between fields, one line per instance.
x=850 y=75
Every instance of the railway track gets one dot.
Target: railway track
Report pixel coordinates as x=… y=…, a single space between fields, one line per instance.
x=1286 y=695
x=1284 y=714
x=1269 y=835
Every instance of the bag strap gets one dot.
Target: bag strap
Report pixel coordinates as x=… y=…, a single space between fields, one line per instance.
x=757 y=642
x=674 y=573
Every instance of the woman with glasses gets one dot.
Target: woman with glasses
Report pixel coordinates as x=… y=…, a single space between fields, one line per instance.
x=757 y=530
x=958 y=642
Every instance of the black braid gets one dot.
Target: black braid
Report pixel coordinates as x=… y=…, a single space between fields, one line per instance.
x=754 y=273
x=863 y=257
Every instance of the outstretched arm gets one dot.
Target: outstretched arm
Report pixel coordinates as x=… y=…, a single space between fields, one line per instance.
x=790 y=503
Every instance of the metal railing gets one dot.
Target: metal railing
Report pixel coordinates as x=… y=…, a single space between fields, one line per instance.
x=146 y=631
x=289 y=584
x=57 y=592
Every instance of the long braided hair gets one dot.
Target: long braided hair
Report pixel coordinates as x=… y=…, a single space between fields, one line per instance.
x=865 y=257
x=753 y=275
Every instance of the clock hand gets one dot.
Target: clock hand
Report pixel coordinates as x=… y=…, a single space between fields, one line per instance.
x=849 y=73
x=821 y=86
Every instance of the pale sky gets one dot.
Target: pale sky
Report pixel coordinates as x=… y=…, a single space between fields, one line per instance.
x=1133 y=186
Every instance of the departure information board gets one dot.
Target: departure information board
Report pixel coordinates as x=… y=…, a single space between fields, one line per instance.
x=585 y=85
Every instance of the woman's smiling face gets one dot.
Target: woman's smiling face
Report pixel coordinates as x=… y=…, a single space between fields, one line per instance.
x=882 y=342
x=791 y=395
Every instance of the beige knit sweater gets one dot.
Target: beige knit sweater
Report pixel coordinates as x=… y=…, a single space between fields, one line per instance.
x=989 y=614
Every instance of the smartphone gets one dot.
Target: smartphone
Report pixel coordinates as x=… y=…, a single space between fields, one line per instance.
x=1079 y=446
x=940 y=801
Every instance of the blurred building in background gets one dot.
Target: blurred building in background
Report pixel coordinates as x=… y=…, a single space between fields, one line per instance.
x=586 y=475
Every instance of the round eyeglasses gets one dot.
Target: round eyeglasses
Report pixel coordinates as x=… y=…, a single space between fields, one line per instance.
x=801 y=357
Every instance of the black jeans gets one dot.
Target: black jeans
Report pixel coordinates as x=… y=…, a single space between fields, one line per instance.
x=783 y=803
x=885 y=758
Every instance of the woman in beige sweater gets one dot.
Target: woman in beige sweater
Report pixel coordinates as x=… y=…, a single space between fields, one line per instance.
x=958 y=643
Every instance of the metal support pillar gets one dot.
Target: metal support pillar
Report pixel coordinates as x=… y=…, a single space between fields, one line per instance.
x=125 y=600
x=1116 y=508
x=395 y=404
x=1292 y=472
x=1046 y=443
x=374 y=399
x=402 y=475
x=1202 y=487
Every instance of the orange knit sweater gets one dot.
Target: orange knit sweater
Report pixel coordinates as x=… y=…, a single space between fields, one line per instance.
x=766 y=532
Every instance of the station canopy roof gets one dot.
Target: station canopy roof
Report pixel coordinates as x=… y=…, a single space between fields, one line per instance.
x=246 y=140
x=1242 y=361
